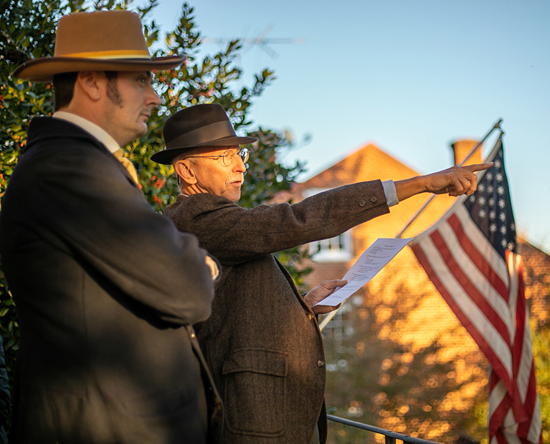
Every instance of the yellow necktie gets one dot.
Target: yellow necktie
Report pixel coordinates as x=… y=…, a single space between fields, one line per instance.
x=127 y=164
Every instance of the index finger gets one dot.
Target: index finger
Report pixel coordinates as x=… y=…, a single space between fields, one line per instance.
x=478 y=166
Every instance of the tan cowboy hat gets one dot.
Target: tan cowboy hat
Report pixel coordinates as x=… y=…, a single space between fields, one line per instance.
x=196 y=126
x=97 y=41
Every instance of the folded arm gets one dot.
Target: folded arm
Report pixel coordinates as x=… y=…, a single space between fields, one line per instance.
x=107 y=222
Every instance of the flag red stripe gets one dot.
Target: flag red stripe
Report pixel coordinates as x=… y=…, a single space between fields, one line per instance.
x=501 y=439
x=520 y=322
x=493 y=381
x=520 y=411
x=499 y=413
x=486 y=293
x=470 y=289
x=530 y=402
x=493 y=358
x=477 y=258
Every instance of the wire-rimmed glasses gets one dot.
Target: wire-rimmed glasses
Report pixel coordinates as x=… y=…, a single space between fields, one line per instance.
x=228 y=156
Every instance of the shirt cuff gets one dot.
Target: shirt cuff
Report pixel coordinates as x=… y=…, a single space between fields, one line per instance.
x=390 y=192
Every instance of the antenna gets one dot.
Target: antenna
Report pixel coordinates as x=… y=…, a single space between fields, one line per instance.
x=260 y=41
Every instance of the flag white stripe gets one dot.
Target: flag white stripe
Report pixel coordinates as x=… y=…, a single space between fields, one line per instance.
x=496 y=397
x=526 y=362
x=467 y=306
x=478 y=279
x=536 y=423
x=513 y=270
x=495 y=319
x=478 y=239
x=510 y=424
x=512 y=439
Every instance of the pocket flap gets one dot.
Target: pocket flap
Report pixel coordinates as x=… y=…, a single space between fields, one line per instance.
x=257 y=360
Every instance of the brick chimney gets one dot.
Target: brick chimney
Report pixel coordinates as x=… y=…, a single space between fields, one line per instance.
x=462 y=148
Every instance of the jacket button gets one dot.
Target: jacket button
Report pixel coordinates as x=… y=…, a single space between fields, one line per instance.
x=320 y=363
x=310 y=316
x=362 y=203
x=373 y=199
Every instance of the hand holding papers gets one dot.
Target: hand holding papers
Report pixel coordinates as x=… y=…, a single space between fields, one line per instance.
x=366 y=267
x=321 y=292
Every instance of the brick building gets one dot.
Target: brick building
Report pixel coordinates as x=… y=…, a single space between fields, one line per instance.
x=402 y=292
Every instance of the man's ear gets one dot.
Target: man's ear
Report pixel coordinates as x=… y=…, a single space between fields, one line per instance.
x=90 y=82
x=184 y=169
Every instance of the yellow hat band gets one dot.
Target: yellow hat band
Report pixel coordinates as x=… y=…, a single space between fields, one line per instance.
x=116 y=54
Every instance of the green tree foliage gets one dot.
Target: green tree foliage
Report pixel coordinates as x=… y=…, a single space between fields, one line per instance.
x=27 y=30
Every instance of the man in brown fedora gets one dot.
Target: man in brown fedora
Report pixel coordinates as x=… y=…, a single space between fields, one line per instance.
x=107 y=290
x=262 y=341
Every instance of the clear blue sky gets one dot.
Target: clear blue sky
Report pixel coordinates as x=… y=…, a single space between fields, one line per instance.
x=409 y=76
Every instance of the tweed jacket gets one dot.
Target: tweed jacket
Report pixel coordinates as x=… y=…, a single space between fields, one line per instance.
x=262 y=341
x=106 y=292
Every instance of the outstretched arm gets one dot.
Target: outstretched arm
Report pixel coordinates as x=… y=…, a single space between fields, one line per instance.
x=455 y=181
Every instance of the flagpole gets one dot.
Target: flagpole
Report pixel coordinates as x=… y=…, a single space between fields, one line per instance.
x=328 y=318
x=470 y=154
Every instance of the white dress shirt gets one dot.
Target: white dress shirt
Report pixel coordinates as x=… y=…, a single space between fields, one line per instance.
x=96 y=131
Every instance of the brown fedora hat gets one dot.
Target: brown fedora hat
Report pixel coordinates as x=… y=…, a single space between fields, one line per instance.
x=196 y=126
x=97 y=41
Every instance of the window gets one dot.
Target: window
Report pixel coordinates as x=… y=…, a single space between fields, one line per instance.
x=335 y=249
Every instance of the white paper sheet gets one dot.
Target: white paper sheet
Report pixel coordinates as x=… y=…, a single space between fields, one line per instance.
x=366 y=267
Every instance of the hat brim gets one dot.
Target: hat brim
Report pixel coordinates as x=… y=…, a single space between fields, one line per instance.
x=43 y=69
x=165 y=157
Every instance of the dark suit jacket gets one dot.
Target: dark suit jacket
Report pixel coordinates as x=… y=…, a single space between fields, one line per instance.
x=262 y=341
x=106 y=291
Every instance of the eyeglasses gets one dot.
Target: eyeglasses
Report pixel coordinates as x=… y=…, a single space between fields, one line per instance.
x=228 y=156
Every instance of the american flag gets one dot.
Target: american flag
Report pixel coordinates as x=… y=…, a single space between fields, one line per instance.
x=471 y=256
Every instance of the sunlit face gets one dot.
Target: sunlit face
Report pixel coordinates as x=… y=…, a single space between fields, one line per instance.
x=130 y=101
x=214 y=177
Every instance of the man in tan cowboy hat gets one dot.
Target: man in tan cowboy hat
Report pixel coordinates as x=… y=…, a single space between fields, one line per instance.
x=262 y=341
x=106 y=289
